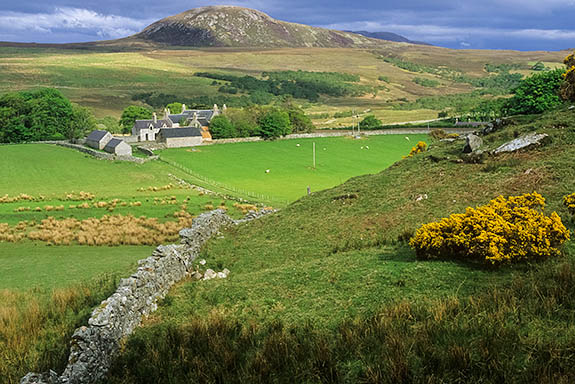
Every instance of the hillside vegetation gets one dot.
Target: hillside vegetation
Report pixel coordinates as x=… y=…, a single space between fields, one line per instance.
x=327 y=291
x=107 y=82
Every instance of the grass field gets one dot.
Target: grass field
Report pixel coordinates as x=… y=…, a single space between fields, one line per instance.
x=290 y=162
x=327 y=290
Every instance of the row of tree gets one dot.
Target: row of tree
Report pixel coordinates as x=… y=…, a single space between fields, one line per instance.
x=266 y=122
x=43 y=114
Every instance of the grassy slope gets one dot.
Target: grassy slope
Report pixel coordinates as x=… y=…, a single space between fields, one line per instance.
x=106 y=81
x=325 y=259
x=291 y=171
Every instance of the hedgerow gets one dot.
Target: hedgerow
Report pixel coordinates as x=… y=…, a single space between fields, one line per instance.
x=503 y=231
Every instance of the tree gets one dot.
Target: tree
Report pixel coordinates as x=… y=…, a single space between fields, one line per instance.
x=175 y=107
x=300 y=122
x=568 y=86
x=245 y=121
x=49 y=112
x=133 y=113
x=370 y=122
x=81 y=122
x=111 y=123
x=537 y=93
x=274 y=123
x=222 y=128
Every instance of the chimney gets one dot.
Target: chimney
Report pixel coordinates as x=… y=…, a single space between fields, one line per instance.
x=183 y=108
x=166 y=113
x=224 y=108
x=216 y=110
x=155 y=118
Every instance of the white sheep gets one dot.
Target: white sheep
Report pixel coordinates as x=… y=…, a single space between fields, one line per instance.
x=267 y=171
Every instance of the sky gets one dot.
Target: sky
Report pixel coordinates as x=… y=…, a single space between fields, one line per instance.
x=464 y=24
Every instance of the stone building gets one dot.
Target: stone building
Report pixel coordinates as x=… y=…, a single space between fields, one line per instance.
x=149 y=130
x=146 y=130
x=98 y=139
x=118 y=147
x=180 y=137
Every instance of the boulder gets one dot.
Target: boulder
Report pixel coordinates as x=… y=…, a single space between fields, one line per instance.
x=472 y=143
x=523 y=142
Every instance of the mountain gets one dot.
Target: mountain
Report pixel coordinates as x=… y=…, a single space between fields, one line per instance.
x=389 y=36
x=229 y=26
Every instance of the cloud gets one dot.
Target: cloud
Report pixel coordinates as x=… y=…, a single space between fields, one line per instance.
x=74 y=20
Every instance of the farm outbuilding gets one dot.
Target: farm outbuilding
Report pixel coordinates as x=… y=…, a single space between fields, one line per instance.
x=98 y=139
x=118 y=147
x=180 y=137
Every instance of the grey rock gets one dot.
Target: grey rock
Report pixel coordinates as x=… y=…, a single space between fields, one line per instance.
x=209 y=274
x=523 y=142
x=472 y=143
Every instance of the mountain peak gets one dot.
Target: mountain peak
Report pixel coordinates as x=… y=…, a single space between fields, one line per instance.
x=232 y=26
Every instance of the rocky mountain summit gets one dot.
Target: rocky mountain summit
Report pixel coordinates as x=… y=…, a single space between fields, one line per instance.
x=229 y=26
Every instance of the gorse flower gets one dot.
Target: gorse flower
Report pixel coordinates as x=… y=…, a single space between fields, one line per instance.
x=503 y=231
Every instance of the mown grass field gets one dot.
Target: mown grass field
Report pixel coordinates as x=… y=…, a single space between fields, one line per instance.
x=290 y=162
x=106 y=81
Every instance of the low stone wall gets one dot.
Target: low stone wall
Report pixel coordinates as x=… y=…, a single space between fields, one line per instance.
x=106 y=156
x=334 y=133
x=94 y=346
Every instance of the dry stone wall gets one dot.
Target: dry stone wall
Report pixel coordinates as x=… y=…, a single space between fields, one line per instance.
x=94 y=346
x=106 y=156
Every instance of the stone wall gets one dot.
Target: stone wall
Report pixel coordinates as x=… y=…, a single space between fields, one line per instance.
x=94 y=346
x=106 y=156
x=336 y=133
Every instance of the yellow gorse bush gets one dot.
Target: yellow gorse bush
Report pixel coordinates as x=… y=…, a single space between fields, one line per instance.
x=569 y=202
x=503 y=231
x=568 y=86
x=420 y=147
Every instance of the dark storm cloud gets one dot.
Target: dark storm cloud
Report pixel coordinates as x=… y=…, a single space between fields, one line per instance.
x=511 y=24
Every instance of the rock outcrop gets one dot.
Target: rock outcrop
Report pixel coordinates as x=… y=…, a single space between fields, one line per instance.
x=472 y=143
x=523 y=142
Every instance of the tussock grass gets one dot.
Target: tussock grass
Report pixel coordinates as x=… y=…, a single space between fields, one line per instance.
x=506 y=334
x=36 y=325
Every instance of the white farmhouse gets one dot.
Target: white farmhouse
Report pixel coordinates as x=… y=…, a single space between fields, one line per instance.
x=146 y=130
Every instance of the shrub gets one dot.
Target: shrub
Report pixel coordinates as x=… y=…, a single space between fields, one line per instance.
x=568 y=86
x=503 y=231
x=569 y=202
x=537 y=93
x=420 y=147
x=370 y=122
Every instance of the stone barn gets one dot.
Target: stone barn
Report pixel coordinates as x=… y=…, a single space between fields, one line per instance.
x=180 y=137
x=118 y=147
x=98 y=139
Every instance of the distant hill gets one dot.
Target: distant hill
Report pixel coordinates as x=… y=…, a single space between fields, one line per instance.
x=229 y=26
x=389 y=36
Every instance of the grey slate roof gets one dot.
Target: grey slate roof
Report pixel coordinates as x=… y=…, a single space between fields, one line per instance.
x=97 y=135
x=113 y=143
x=145 y=124
x=180 y=132
x=202 y=113
x=178 y=118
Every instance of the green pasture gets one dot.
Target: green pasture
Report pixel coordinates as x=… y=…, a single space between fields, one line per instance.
x=52 y=171
x=29 y=265
x=290 y=162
